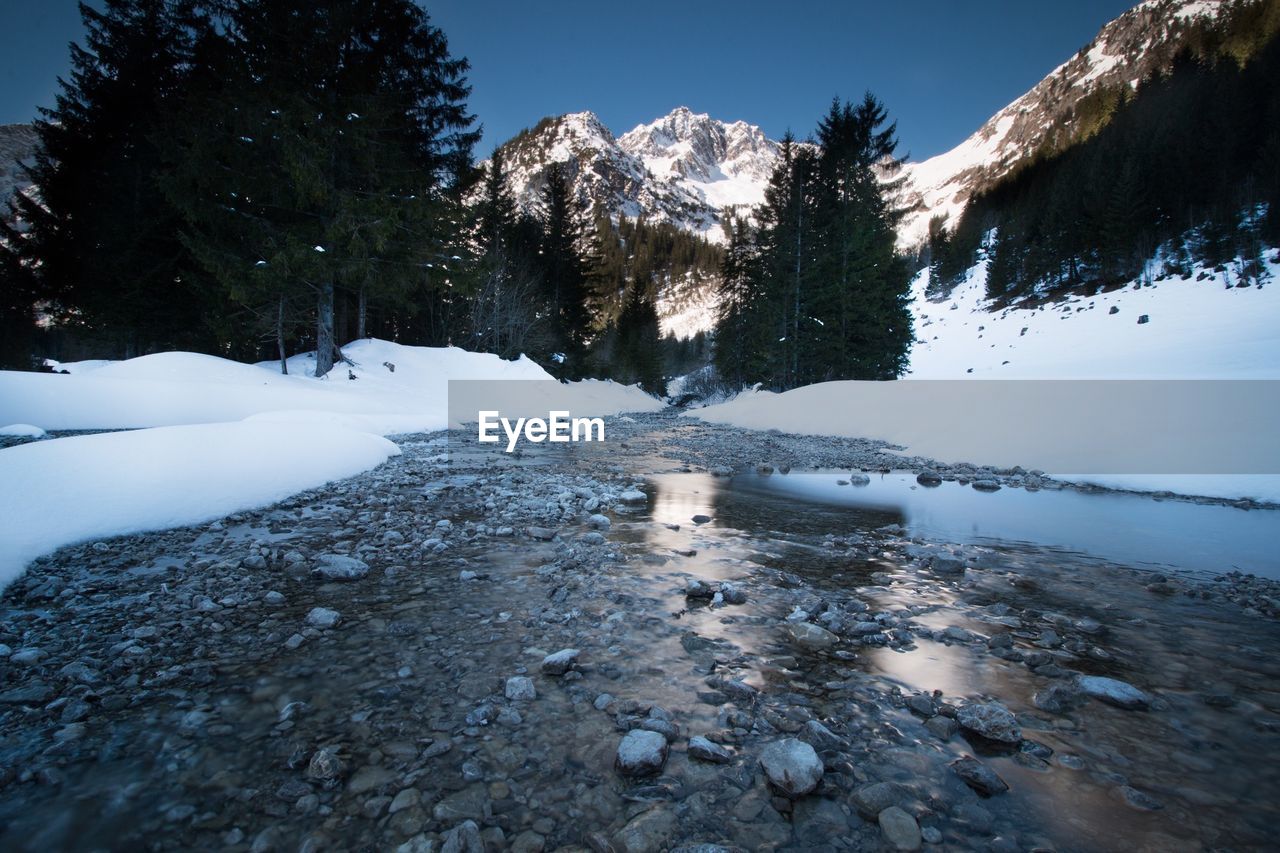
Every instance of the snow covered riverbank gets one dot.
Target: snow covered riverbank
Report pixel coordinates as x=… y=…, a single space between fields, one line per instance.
x=211 y=436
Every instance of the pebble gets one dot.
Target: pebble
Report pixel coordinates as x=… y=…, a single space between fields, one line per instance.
x=520 y=688
x=336 y=567
x=705 y=750
x=558 y=663
x=812 y=636
x=323 y=617
x=1114 y=692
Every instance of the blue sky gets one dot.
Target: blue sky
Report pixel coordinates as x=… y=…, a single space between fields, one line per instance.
x=942 y=67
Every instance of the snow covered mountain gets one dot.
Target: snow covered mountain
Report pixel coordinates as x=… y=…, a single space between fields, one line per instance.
x=686 y=167
x=1141 y=41
x=683 y=168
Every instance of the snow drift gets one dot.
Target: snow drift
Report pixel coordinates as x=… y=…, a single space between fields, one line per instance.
x=73 y=489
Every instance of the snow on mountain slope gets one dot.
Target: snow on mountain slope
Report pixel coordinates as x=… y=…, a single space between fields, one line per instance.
x=683 y=168
x=1129 y=48
x=1195 y=330
x=727 y=165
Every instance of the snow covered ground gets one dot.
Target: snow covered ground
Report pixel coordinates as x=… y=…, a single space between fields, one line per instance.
x=1195 y=330
x=85 y=487
x=211 y=436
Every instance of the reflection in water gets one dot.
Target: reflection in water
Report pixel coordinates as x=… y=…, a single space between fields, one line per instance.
x=1127 y=529
x=1195 y=756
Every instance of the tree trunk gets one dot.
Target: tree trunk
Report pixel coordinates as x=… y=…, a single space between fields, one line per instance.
x=284 y=361
x=324 y=330
x=362 y=315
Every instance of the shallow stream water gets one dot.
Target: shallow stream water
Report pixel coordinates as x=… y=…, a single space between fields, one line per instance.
x=201 y=731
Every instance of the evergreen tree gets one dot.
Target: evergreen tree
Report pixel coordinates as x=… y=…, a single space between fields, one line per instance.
x=564 y=272
x=638 y=353
x=329 y=152
x=100 y=248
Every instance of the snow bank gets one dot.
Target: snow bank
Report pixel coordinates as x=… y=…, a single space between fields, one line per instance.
x=395 y=389
x=74 y=489
x=215 y=436
x=22 y=431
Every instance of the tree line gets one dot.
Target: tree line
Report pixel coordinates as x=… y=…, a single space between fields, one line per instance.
x=1186 y=168
x=251 y=177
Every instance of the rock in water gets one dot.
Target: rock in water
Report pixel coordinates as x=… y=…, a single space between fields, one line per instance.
x=695 y=588
x=463 y=838
x=336 y=567
x=706 y=750
x=990 y=721
x=900 y=829
x=792 y=766
x=1114 y=692
x=633 y=496
x=560 y=662
x=323 y=617
x=733 y=594
x=811 y=636
x=979 y=776
x=520 y=689
x=641 y=753
x=1058 y=699
x=929 y=477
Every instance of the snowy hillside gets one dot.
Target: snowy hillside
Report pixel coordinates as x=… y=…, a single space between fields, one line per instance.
x=1125 y=51
x=1195 y=329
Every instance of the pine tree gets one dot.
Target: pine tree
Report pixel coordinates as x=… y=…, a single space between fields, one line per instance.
x=638 y=353
x=100 y=248
x=564 y=272
x=330 y=153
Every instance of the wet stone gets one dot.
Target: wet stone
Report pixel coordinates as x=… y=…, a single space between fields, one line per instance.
x=1138 y=800
x=979 y=776
x=463 y=838
x=792 y=766
x=560 y=662
x=323 y=617
x=705 y=750
x=520 y=688
x=990 y=721
x=336 y=567
x=901 y=832
x=872 y=799
x=1058 y=699
x=812 y=636
x=1113 y=691
x=641 y=753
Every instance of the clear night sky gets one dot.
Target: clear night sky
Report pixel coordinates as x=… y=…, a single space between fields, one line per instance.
x=942 y=67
